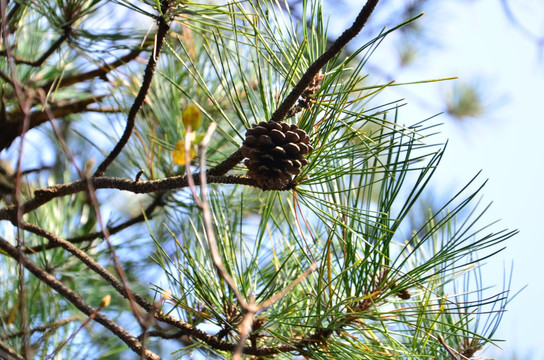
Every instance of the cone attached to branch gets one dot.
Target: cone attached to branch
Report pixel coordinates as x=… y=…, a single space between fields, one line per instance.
x=275 y=153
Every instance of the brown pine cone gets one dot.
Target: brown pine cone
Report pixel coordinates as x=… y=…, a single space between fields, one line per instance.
x=275 y=153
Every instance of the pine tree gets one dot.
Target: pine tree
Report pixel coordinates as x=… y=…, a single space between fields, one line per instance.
x=221 y=179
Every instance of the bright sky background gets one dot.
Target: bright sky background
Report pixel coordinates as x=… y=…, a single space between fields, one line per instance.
x=477 y=41
x=506 y=145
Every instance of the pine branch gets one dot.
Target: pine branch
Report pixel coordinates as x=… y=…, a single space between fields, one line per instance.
x=6 y=78
x=8 y=353
x=162 y=30
x=42 y=196
x=75 y=299
x=120 y=288
x=39 y=62
x=147 y=214
x=100 y=72
x=227 y=164
x=11 y=129
x=284 y=108
x=42 y=328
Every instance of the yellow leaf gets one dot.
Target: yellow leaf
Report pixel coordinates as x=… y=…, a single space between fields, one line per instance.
x=178 y=154
x=12 y=315
x=192 y=117
x=105 y=301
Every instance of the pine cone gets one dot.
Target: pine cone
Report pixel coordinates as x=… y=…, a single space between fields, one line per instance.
x=404 y=294
x=275 y=153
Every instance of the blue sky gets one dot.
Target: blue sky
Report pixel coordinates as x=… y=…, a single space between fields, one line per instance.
x=477 y=41
x=506 y=145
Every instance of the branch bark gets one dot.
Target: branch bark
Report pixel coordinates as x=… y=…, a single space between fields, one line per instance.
x=42 y=196
x=281 y=112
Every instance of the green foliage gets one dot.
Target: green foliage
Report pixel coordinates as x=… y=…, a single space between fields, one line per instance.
x=381 y=289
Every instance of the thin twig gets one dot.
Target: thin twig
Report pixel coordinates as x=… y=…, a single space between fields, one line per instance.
x=248 y=306
x=54 y=47
x=208 y=226
x=244 y=330
x=42 y=328
x=147 y=214
x=92 y=195
x=99 y=72
x=290 y=287
x=12 y=14
x=450 y=351
x=282 y=111
x=162 y=30
x=24 y=100
x=227 y=164
x=82 y=256
x=188 y=142
x=63 y=108
x=6 y=78
x=103 y=304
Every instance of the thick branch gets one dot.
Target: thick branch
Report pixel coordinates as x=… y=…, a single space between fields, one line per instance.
x=11 y=129
x=12 y=124
x=282 y=111
x=8 y=353
x=42 y=196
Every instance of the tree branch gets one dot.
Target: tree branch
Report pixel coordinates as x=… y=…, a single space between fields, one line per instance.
x=86 y=259
x=227 y=164
x=11 y=125
x=42 y=328
x=282 y=111
x=149 y=71
x=11 y=129
x=42 y=196
x=147 y=214
x=8 y=353
x=99 y=72
x=184 y=328
x=75 y=299
x=54 y=47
